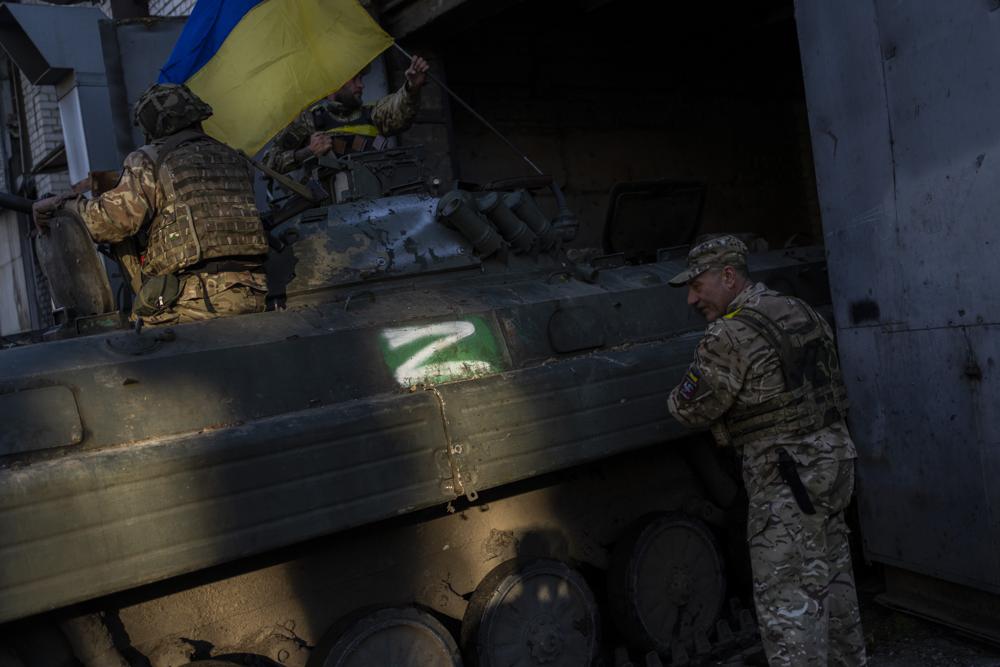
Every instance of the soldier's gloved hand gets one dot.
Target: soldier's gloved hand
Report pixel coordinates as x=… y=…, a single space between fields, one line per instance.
x=42 y=210
x=320 y=143
x=416 y=75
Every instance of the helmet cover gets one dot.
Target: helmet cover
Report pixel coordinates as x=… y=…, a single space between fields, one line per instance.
x=168 y=108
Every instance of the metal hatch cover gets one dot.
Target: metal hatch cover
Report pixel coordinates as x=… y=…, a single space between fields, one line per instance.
x=646 y=215
x=35 y=419
x=73 y=268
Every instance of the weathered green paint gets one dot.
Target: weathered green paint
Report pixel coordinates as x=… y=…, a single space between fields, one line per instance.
x=441 y=351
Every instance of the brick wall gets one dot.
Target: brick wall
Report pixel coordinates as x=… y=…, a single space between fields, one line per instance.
x=44 y=128
x=41 y=112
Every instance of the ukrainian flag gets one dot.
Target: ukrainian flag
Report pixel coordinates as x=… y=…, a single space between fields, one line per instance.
x=260 y=62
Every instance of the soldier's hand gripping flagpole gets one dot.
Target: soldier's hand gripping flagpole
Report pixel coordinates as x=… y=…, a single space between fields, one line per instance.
x=475 y=113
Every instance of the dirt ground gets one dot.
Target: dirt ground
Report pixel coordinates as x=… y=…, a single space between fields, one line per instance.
x=899 y=640
x=896 y=639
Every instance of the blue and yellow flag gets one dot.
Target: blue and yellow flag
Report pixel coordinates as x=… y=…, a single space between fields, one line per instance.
x=259 y=63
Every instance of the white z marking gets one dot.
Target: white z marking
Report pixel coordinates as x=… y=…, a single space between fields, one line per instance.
x=444 y=334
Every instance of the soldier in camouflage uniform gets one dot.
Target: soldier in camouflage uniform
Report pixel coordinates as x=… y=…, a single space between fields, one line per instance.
x=342 y=124
x=182 y=217
x=766 y=379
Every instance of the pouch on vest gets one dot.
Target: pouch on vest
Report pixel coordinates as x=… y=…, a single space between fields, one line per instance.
x=157 y=294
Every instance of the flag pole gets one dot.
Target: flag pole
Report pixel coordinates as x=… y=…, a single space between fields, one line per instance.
x=474 y=113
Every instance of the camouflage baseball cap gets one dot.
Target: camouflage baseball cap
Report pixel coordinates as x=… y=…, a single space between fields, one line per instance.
x=713 y=253
x=167 y=108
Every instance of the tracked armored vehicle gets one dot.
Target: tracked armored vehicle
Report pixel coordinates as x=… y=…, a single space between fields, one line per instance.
x=449 y=440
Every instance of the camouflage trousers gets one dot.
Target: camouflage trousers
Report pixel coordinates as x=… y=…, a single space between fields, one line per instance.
x=229 y=293
x=807 y=608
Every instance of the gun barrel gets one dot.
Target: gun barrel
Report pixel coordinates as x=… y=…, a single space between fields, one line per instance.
x=15 y=203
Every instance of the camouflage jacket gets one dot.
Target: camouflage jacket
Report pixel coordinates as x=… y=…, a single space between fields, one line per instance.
x=120 y=212
x=391 y=115
x=734 y=367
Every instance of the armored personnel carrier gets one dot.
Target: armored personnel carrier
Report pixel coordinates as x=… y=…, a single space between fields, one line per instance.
x=448 y=442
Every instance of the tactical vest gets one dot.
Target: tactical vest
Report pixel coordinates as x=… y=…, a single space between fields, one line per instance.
x=209 y=210
x=354 y=134
x=814 y=395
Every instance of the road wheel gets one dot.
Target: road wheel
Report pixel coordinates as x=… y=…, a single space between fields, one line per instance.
x=666 y=582
x=536 y=612
x=397 y=636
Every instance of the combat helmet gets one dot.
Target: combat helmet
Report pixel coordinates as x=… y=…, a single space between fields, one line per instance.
x=167 y=108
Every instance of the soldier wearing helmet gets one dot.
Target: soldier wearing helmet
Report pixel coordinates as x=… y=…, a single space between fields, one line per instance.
x=185 y=206
x=766 y=380
x=341 y=124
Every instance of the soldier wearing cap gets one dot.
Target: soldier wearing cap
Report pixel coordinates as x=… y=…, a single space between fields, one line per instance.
x=182 y=217
x=766 y=380
x=341 y=124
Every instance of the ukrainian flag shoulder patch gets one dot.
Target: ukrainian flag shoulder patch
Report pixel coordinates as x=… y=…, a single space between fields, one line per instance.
x=689 y=385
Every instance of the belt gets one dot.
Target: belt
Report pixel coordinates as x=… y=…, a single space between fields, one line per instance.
x=226 y=265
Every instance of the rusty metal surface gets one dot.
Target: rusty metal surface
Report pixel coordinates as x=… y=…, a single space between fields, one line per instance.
x=906 y=164
x=365 y=240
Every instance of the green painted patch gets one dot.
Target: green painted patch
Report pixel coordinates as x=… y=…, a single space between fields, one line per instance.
x=439 y=352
